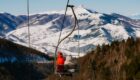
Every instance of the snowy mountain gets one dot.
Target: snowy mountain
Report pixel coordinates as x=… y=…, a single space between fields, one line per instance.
x=10 y=22
x=95 y=29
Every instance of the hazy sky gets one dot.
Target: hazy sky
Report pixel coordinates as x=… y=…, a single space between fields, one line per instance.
x=125 y=7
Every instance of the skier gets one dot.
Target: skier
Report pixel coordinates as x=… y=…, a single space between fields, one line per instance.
x=69 y=60
x=70 y=63
x=60 y=62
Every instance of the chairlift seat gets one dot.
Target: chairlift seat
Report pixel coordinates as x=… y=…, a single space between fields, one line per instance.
x=64 y=72
x=68 y=70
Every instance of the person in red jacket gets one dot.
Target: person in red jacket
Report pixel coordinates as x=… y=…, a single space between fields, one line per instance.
x=60 y=62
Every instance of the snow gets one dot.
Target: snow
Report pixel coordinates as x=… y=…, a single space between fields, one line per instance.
x=93 y=31
x=117 y=31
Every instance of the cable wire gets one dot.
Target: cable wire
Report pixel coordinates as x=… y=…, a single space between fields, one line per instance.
x=28 y=13
x=61 y=28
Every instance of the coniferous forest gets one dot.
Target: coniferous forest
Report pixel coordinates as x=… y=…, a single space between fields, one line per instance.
x=117 y=61
x=19 y=62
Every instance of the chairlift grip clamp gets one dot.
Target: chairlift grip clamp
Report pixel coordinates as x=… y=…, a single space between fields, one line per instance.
x=70 y=6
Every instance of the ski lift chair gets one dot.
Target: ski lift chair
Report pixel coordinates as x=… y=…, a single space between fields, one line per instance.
x=69 y=70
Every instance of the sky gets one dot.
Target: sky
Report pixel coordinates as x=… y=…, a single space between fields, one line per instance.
x=124 y=7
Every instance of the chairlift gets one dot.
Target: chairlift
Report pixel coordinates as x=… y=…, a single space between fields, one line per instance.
x=68 y=70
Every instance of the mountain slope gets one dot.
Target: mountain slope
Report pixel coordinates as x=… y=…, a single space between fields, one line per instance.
x=118 y=61
x=133 y=22
x=95 y=29
x=11 y=52
x=10 y=22
x=21 y=63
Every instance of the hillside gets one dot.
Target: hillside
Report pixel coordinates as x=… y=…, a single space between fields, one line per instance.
x=18 y=62
x=11 y=52
x=118 y=61
x=95 y=28
x=9 y=22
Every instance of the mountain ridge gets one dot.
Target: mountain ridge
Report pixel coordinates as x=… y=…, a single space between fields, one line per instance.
x=9 y=22
x=95 y=29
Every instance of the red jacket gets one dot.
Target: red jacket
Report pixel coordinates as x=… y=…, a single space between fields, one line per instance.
x=60 y=59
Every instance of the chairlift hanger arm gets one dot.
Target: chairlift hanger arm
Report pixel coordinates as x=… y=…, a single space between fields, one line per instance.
x=75 y=22
x=60 y=40
x=60 y=36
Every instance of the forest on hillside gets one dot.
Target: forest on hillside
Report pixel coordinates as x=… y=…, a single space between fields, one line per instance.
x=12 y=52
x=18 y=62
x=117 y=61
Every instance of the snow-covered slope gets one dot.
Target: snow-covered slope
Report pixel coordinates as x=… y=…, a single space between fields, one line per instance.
x=10 y=22
x=133 y=22
x=95 y=29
